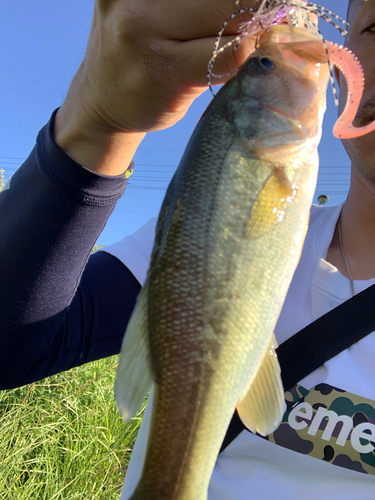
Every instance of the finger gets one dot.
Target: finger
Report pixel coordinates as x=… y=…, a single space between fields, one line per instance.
x=195 y=55
x=195 y=19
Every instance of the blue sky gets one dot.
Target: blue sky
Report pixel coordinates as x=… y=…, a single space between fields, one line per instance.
x=41 y=45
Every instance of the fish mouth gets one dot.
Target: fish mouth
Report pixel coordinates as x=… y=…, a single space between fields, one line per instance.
x=295 y=122
x=283 y=113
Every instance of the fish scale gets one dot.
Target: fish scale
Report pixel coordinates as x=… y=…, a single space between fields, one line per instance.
x=228 y=239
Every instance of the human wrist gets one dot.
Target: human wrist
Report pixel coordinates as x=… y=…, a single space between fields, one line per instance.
x=91 y=143
x=104 y=152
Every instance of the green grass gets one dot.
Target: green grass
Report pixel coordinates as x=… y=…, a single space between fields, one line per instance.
x=63 y=438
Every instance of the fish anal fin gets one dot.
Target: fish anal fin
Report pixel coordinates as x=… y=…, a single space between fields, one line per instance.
x=262 y=408
x=134 y=374
x=271 y=203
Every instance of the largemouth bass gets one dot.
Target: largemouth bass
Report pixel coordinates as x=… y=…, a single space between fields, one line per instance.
x=228 y=239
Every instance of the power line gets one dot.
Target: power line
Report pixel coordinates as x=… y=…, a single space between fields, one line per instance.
x=13 y=157
x=164 y=164
x=324 y=182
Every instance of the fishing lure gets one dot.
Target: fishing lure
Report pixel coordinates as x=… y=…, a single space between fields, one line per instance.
x=297 y=12
x=271 y=12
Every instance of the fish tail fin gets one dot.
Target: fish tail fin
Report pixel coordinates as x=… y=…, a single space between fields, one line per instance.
x=134 y=374
x=262 y=408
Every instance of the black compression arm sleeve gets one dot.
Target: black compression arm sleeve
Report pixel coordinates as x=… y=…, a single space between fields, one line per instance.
x=50 y=218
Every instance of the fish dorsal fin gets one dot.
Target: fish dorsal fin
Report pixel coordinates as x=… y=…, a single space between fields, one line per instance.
x=262 y=408
x=269 y=207
x=134 y=373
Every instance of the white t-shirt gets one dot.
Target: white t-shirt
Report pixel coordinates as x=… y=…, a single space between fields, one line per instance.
x=255 y=468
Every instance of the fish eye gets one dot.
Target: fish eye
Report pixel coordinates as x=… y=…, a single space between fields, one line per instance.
x=267 y=63
x=263 y=64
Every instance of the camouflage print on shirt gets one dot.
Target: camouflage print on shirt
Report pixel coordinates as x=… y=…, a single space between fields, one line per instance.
x=331 y=425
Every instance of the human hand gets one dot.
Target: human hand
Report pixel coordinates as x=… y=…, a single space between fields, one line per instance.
x=146 y=62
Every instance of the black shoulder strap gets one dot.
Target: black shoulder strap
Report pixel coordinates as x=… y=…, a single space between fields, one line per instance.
x=317 y=343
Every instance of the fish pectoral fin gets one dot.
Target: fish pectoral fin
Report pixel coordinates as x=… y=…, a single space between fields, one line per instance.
x=262 y=408
x=269 y=207
x=134 y=374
